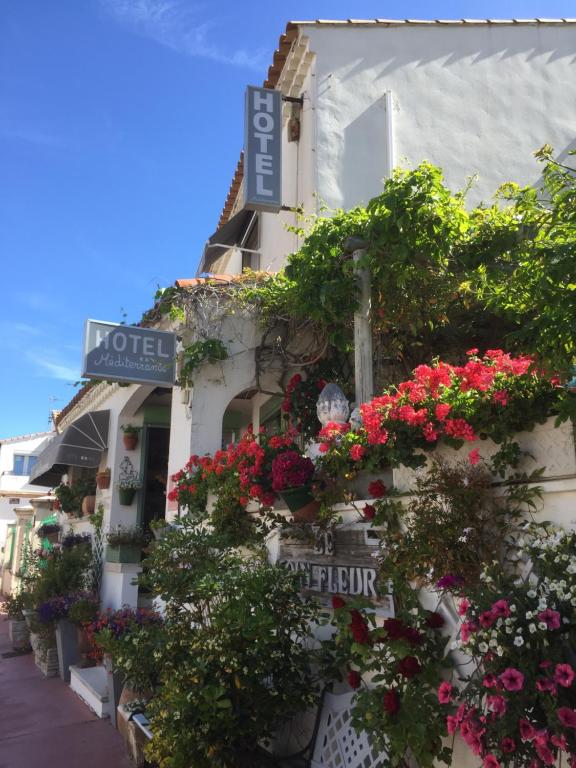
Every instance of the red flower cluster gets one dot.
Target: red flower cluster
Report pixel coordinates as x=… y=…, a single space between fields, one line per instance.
x=246 y=467
x=359 y=628
x=291 y=470
x=423 y=404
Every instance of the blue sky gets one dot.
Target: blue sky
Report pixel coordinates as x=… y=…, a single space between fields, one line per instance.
x=120 y=128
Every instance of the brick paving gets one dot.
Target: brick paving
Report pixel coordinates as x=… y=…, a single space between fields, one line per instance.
x=43 y=724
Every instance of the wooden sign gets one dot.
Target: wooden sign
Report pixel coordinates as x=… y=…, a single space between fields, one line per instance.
x=340 y=562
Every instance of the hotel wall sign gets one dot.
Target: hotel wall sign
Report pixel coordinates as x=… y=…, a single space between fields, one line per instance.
x=127 y=353
x=348 y=571
x=263 y=149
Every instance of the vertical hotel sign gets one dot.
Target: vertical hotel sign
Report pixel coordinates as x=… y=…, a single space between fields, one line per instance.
x=263 y=149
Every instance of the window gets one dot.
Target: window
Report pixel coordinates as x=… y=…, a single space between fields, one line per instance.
x=251 y=241
x=23 y=464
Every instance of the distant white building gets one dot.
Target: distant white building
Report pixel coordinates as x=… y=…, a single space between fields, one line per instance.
x=18 y=456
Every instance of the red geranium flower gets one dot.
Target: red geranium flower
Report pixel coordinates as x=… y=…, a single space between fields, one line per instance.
x=377 y=489
x=391 y=702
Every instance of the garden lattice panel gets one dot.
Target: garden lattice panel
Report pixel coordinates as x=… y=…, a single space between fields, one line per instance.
x=338 y=745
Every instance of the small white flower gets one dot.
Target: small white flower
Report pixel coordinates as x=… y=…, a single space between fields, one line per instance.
x=532 y=628
x=542 y=625
x=529 y=614
x=519 y=641
x=500 y=651
x=483 y=647
x=513 y=608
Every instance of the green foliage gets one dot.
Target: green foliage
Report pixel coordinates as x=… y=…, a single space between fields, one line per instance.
x=456 y=522
x=535 y=283
x=234 y=661
x=404 y=660
x=14 y=605
x=64 y=571
x=197 y=354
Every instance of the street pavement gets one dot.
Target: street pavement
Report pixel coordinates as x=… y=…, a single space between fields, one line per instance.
x=43 y=724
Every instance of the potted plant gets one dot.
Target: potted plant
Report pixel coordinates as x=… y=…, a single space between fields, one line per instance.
x=128 y=482
x=130 y=437
x=125 y=544
x=81 y=614
x=67 y=498
x=18 y=631
x=103 y=479
x=49 y=531
x=291 y=477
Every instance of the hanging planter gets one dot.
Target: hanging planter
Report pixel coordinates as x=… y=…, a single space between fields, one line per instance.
x=130 y=436
x=125 y=545
x=126 y=496
x=301 y=503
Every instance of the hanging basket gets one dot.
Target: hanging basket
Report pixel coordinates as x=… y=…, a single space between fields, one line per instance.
x=301 y=503
x=126 y=496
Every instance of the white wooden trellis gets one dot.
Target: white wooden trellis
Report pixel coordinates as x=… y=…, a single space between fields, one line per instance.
x=97 y=558
x=337 y=744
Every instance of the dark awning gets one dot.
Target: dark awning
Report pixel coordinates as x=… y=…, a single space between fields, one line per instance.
x=80 y=445
x=229 y=234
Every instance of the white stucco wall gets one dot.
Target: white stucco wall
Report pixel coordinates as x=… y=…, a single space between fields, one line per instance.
x=471 y=99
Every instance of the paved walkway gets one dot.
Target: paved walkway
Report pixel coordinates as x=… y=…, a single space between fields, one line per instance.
x=43 y=724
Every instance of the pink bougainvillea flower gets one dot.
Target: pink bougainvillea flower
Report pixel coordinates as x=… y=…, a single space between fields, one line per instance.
x=490 y=761
x=527 y=730
x=474 y=456
x=468 y=628
x=486 y=619
x=496 y=704
x=501 y=609
x=463 y=606
x=545 y=753
x=490 y=681
x=545 y=685
x=452 y=724
x=508 y=745
x=564 y=675
x=567 y=717
x=560 y=741
x=512 y=679
x=377 y=489
x=445 y=692
x=550 y=618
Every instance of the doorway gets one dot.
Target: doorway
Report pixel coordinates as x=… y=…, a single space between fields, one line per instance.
x=155 y=476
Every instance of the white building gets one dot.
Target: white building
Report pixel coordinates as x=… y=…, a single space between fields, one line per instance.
x=474 y=97
x=18 y=456
x=469 y=96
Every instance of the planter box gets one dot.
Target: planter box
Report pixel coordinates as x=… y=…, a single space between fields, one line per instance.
x=67 y=647
x=19 y=634
x=45 y=660
x=123 y=554
x=545 y=446
x=126 y=496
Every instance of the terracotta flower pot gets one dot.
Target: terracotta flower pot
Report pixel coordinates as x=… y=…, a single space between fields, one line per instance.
x=301 y=503
x=56 y=504
x=103 y=480
x=130 y=440
x=88 y=505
